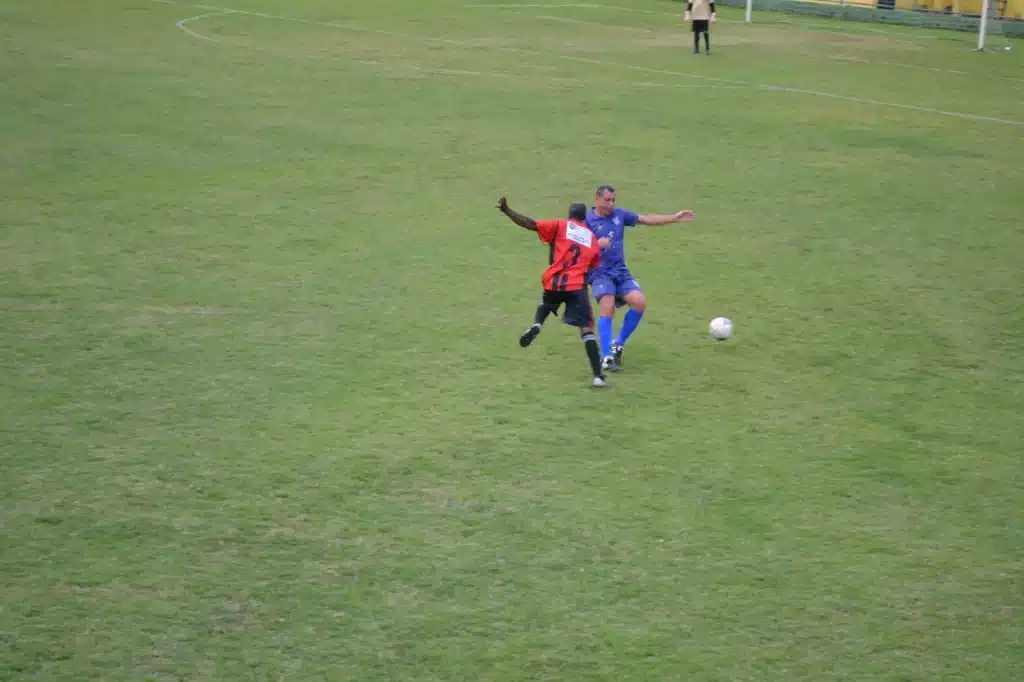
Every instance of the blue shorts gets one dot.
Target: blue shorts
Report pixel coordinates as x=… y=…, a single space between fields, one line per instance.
x=617 y=283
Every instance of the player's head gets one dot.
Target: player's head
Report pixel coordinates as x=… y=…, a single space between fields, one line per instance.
x=578 y=212
x=604 y=199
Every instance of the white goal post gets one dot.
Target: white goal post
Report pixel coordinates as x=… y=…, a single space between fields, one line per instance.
x=982 y=24
x=985 y=27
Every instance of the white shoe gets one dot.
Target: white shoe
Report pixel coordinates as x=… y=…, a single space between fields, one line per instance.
x=600 y=382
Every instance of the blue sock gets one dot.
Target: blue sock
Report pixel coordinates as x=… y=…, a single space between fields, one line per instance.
x=604 y=335
x=629 y=324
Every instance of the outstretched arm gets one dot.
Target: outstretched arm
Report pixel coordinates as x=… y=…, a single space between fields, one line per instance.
x=665 y=219
x=518 y=218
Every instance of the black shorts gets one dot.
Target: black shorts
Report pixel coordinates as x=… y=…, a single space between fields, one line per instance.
x=700 y=25
x=577 y=306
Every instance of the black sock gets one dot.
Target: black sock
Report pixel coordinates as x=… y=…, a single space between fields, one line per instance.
x=542 y=314
x=696 y=41
x=707 y=40
x=593 y=352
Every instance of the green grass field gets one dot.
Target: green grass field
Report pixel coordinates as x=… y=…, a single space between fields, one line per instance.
x=264 y=416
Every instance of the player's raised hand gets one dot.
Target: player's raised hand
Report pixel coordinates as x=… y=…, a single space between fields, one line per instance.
x=684 y=216
x=502 y=204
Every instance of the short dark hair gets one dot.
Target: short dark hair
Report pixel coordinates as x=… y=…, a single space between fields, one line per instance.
x=578 y=211
x=601 y=189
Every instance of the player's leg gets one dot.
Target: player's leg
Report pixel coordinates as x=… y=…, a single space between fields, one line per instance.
x=606 y=330
x=603 y=289
x=612 y=354
x=548 y=305
x=636 y=300
x=696 y=35
x=707 y=37
x=594 y=356
x=579 y=314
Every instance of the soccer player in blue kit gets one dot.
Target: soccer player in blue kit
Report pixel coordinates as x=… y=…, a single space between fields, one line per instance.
x=611 y=283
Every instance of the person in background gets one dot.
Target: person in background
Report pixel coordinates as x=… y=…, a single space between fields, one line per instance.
x=701 y=13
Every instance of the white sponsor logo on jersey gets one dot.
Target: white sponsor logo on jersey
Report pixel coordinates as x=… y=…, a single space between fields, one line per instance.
x=579 y=234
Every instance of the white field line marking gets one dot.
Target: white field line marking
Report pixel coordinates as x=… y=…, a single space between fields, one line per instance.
x=820 y=26
x=911 y=107
x=598 y=62
x=861 y=60
x=633 y=10
x=830 y=29
x=583 y=22
x=636 y=10
x=458 y=43
x=678 y=15
x=183 y=25
x=578 y=5
x=918 y=67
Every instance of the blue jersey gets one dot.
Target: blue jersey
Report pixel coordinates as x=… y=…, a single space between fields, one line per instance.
x=613 y=227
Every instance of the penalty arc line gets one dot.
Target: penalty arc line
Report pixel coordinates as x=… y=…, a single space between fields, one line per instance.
x=183 y=25
x=448 y=41
x=597 y=62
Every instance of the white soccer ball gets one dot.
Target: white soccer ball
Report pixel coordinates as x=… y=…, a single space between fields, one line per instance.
x=720 y=328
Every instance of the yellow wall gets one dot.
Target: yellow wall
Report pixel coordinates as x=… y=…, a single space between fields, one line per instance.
x=1014 y=8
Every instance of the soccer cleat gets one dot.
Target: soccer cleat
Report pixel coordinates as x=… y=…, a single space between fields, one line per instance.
x=529 y=335
x=617 y=354
x=600 y=381
x=609 y=364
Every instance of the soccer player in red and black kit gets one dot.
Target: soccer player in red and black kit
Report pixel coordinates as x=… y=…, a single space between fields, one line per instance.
x=575 y=250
